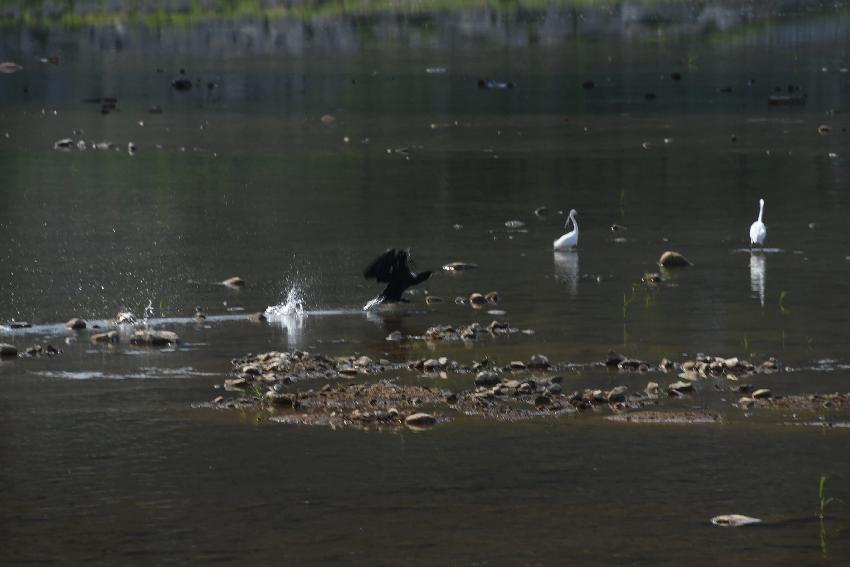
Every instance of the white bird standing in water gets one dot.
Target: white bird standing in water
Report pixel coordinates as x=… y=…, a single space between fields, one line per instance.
x=570 y=239
x=757 y=230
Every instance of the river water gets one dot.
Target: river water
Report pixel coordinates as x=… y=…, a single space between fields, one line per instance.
x=107 y=453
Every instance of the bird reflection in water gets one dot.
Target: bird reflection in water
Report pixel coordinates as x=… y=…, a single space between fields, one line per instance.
x=566 y=269
x=757 y=275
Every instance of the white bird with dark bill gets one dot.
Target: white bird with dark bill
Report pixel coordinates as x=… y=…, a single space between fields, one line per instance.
x=757 y=230
x=570 y=239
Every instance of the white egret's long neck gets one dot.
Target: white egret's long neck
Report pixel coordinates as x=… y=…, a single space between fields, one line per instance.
x=575 y=224
x=761 y=210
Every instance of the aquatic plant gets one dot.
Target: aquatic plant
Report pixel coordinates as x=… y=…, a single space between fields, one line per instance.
x=782 y=308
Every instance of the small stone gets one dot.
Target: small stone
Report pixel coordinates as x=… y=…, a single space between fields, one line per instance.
x=731 y=362
x=251 y=370
x=154 y=337
x=824 y=129
x=394 y=336
x=443 y=361
x=492 y=297
x=652 y=389
x=542 y=401
x=673 y=260
x=76 y=324
x=614 y=358
x=7 y=350
x=328 y=119
x=617 y=394
x=746 y=402
x=108 y=337
x=762 y=393
x=363 y=361
x=431 y=365
x=517 y=365
x=538 y=361
x=432 y=299
x=681 y=386
x=279 y=398
x=235 y=281
x=420 y=420
x=486 y=378
x=477 y=300
x=218 y=399
x=235 y=383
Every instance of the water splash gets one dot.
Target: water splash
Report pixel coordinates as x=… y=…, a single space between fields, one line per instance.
x=289 y=315
x=292 y=307
x=148 y=314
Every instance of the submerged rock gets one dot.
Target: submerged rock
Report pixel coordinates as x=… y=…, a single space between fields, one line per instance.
x=420 y=420
x=235 y=281
x=539 y=361
x=108 y=337
x=75 y=324
x=477 y=300
x=672 y=259
x=7 y=350
x=152 y=337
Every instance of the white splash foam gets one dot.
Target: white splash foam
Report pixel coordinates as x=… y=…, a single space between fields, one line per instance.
x=292 y=307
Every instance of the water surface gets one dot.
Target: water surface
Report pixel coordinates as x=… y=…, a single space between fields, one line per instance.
x=106 y=460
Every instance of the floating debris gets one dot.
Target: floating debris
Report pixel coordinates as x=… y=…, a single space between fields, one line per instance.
x=459 y=266
x=734 y=520
x=9 y=67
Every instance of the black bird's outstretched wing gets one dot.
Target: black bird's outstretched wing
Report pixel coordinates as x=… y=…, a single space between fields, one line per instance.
x=388 y=266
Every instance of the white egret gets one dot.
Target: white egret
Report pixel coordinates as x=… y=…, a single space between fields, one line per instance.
x=570 y=239
x=757 y=230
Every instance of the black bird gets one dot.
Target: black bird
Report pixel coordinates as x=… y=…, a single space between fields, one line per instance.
x=393 y=268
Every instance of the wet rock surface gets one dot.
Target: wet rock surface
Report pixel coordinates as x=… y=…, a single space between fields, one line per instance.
x=471 y=332
x=8 y=351
x=362 y=391
x=153 y=337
